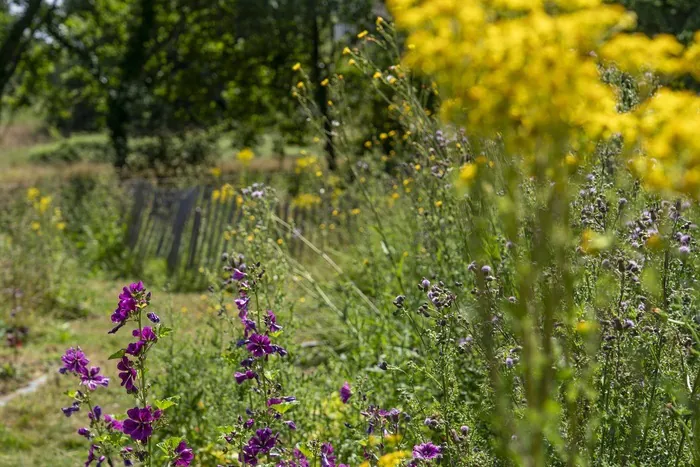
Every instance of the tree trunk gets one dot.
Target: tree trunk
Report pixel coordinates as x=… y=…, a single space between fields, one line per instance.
x=320 y=93
x=13 y=46
x=131 y=68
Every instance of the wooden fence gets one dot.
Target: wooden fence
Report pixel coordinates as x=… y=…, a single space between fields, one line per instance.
x=185 y=226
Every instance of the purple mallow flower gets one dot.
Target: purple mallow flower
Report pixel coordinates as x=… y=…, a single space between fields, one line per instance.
x=68 y=411
x=74 y=361
x=259 y=345
x=426 y=451
x=146 y=334
x=128 y=301
x=183 y=455
x=139 y=425
x=154 y=318
x=327 y=457
x=95 y=413
x=263 y=441
x=241 y=377
x=114 y=424
x=345 y=393
x=271 y=321
x=135 y=348
x=127 y=373
x=238 y=275
x=92 y=378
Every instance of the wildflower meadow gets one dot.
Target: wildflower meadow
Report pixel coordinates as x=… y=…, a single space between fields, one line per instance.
x=349 y=233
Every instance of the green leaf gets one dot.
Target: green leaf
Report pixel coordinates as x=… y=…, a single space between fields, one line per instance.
x=168 y=444
x=71 y=393
x=164 y=331
x=164 y=404
x=284 y=407
x=118 y=354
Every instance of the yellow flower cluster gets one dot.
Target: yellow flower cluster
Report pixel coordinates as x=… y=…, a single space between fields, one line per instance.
x=306 y=200
x=223 y=194
x=392 y=459
x=513 y=67
x=528 y=70
x=245 y=155
x=307 y=163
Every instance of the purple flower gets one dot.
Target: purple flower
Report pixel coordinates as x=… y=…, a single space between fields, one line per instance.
x=248 y=455
x=426 y=451
x=139 y=425
x=271 y=321
x=135 y=348
x=92 y=378
x=290 y=423
x=91 y=455
x=241 y=377
x=68 y=411
x=262 y=441
x=114 y=424
x=127 y=373
x=281 y=351
x=74 y=361
x=238 y=275
x=345 y=393
x=242 y=302
x=146 y=334
x=327 y=457
x=248 y=423
x=154 y=318
x=128 y=301
x=183 y=455
x=84 y=432
x=259 y=345
x=95 y=413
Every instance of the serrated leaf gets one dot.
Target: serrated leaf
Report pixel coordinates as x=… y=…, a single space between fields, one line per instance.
x=164 y=404
x=164 y=331
x=284 y=407
x=118 y=354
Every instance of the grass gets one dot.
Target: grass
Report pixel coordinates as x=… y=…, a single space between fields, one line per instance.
x=33 y=430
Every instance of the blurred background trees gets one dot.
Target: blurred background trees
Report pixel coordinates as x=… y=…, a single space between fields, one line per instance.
x=166 y=68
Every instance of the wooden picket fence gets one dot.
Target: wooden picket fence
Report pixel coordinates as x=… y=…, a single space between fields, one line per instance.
x=185 y=227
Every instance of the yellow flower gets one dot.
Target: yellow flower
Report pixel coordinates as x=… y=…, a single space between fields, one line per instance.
x=36 y=226
x=377 y=75
x=43 y=204
x=362 y=34
x=330 y=103
x=215 y=195
x=324 y=82
x=383 y=136
x=438 y=204
x=351 y=61
x=280 y=241
x=33 y=193
x=306 y=200
x=300 y=85
x=215 y=172
x=355 y=211
x=61 y=225
x=368 y=144
x=379 y=20
x=346 y=51
x=466 y=173
x=297 y=66
x=245 y=155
